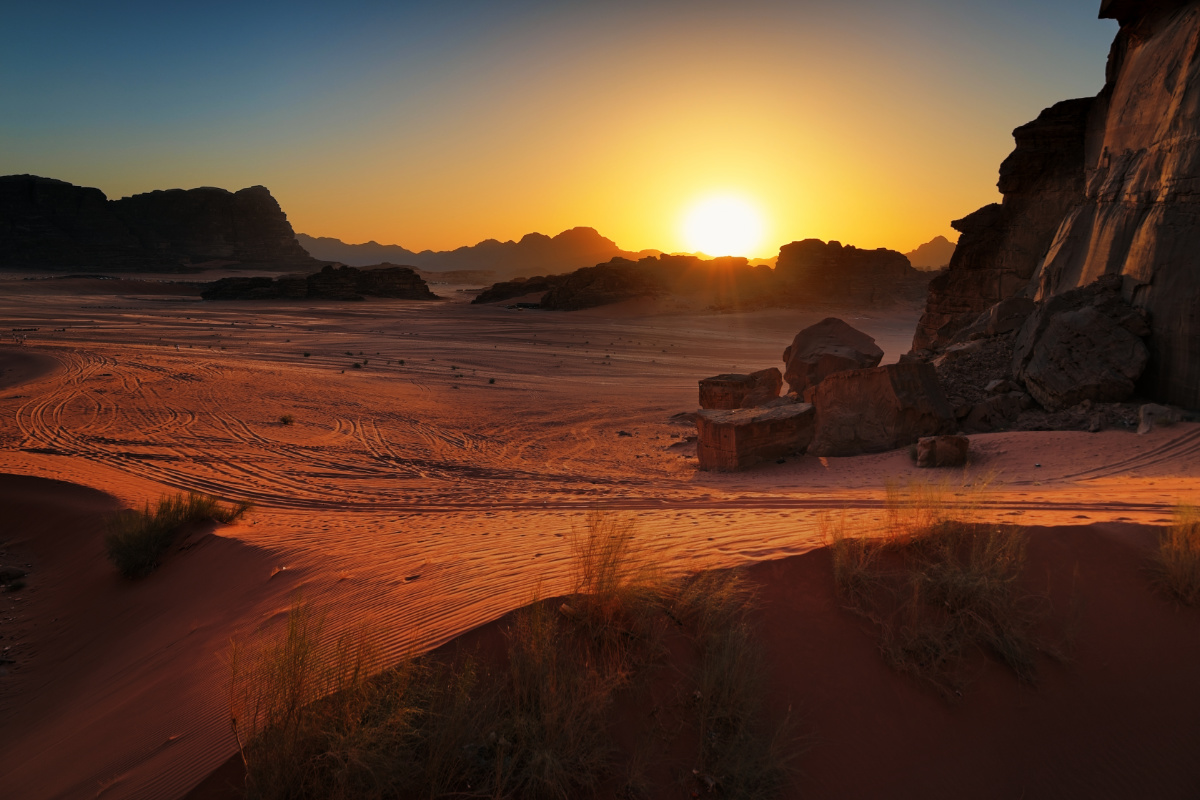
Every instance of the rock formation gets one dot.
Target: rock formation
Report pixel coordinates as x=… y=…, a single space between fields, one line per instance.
x=833 y=273
x=741 y=391
x=604 y=284
x=518 y=287
x=733 y=440
x=341 y=283
x=46 y=223
x=873 y=410
x=825 y=348
x=1001 y=244
x=1102 y=187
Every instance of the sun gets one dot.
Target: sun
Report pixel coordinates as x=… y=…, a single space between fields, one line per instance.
x=723 y=225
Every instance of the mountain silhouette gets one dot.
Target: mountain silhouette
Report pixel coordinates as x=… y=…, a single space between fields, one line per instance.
x=534 y=254
x=932 y=255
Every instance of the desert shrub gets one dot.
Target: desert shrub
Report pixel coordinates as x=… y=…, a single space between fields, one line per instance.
x=1177 y=560
x=740 y=753
x=316 y=717
x=938 y=586
x=286 y=419
x=137 y=540
x=307 y=354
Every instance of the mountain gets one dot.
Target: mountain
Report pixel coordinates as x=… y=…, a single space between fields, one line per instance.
x=534 y=254
x=933 y=255
x=1101 y=186
x=47 y=223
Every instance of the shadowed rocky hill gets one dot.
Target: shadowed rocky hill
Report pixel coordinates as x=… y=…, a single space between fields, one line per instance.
x=46 y=223
x=1101 y=186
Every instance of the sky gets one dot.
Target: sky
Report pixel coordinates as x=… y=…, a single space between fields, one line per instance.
x=438 y=124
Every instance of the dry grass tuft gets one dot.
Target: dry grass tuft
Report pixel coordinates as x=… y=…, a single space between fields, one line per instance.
x=938 y=586
x=1177 y=561
x=317 y=718
x=137 y=540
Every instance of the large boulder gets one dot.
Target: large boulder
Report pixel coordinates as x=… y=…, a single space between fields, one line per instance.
x=943 y=451
x=872 y=410
x=733 y=440
x=825 y=348
x=1084 y=344
x=740 y=391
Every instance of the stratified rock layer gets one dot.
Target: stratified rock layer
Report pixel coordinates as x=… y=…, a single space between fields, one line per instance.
x=733 y=440
x=741 y=391
x=49 y=223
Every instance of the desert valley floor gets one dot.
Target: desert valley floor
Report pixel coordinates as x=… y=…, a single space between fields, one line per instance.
x=428 y=490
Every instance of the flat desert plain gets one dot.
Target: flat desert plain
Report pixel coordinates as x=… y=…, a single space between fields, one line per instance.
x=427 y=491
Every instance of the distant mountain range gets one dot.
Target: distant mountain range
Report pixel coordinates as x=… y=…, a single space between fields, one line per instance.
x=534 y=254
x=932 y=255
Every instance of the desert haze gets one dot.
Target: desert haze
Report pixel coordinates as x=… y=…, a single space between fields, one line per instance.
x=545 y=517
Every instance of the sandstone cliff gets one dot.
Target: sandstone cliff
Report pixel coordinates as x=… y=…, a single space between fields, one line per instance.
x=46 y=223
x=1113 y=189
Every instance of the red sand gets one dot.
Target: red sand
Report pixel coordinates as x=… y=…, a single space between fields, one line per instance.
x=398 y=497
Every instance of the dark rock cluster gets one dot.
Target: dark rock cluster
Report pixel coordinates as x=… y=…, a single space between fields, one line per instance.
x=1104 y=186
x=46 y=223
x=340 y=283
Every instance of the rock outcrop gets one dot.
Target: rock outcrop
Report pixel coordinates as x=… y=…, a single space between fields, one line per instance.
x=46 y=223
x=733 y=440
x=603 y=284
x=340 y=283
x=873 y=410
x=933 y=255
x=1105 y=186
x=518 y=287
x=1002 y=244
x=1085 y=344
x=825 y=348
x=740 y=391
x=833 y=273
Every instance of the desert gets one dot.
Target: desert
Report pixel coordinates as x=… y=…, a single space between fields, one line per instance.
x=291 y=517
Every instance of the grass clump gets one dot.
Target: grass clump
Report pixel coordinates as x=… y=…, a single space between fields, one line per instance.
x=1177 y=560
x=316 y=717
x=287 y=419
x=137 y=540
x=938 y=587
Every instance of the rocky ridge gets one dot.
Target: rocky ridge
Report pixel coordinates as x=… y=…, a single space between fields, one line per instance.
x=331 y=283
x=46 y=223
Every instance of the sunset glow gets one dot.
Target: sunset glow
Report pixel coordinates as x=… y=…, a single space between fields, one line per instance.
x=724 y=225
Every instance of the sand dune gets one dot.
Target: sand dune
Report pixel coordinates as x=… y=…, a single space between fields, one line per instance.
x=419 y=494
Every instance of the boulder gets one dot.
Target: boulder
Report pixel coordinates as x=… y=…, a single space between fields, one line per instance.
x=872 y=410
x=825 y=348
x=1152 y=415
x=995 y=413
x=737 y=439
x=1085 y=344
x=740 y=391
x=942 y=451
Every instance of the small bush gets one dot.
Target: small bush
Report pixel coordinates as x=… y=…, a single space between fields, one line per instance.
x=137 y=540
x=286 y=419
x=356 y=365
x=938 y=586
x=491 y=380
x=1177 y=561
x=307 y=354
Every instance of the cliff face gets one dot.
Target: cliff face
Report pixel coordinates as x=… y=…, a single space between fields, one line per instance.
x=1109 y=186
x=49 y=223
x=1141 y=214
x=1002 y=244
